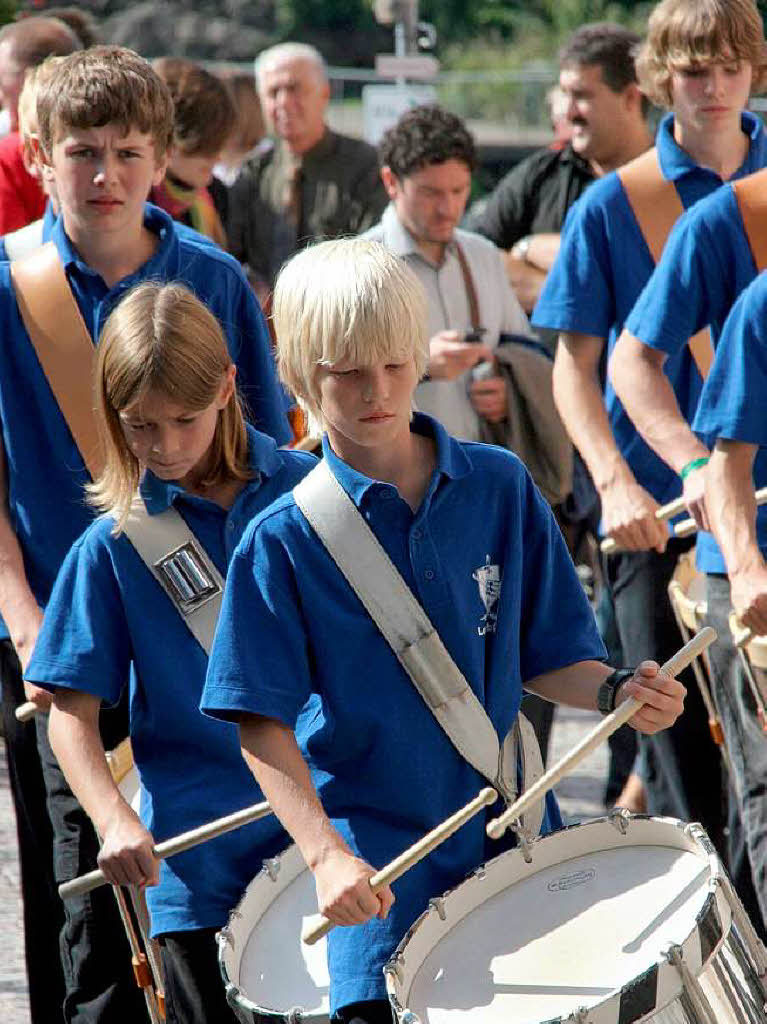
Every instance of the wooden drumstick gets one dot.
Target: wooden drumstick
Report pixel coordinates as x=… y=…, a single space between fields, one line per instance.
x=684 y=528
x=319 y=925
x=26 y=711
x=170 y=847
x=607 y=727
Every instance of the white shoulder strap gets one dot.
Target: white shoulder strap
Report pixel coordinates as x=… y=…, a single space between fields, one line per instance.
x=20 y=243
x=181 y=566
x=403 y=622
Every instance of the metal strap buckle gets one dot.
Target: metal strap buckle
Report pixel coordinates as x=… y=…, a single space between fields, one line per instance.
x=188 y=577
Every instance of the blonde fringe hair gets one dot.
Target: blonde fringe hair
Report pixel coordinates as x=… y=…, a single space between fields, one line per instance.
x=684 y=33
x=346 y=299
x=161 y=337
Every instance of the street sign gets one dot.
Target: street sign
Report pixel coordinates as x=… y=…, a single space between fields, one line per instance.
x=388 y=65
x=383 y=105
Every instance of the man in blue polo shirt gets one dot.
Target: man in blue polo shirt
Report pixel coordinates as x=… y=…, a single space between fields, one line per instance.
x=503 y=596
x=107 y=241
x=730 y=421
x=603 y=265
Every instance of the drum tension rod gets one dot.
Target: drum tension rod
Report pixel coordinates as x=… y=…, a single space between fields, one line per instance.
x=620 y=818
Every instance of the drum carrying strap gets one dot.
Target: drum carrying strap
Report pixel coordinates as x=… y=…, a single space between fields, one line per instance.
x=656 y=206
x=407 y=629
x=180 y=565
x=63 y=345
x=751 y=196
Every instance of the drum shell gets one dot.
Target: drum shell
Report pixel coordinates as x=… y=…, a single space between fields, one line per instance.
x=716 y=955
x=278 y=899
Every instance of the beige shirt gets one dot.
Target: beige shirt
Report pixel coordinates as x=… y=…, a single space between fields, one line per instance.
x=499 y=311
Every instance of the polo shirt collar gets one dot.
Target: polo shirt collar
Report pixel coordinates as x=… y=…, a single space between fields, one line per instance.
x=263 y=459
x=452 y=460
x=155 y=220
x=675 y=162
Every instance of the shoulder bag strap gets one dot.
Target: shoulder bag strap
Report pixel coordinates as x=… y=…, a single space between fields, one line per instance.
x=409 y=632
x=63 y=345
x=471 y=288
x=181 y=566
x=656 y=206
x=751 y=196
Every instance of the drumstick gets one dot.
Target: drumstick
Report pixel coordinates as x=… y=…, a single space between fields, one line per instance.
x=685 y=528
x=170 y=847
x=319 y=925
x=607 y=727
x=26 y=711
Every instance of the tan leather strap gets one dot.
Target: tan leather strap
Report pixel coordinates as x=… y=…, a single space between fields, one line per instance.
x=62 y=343
x=751 y=196
x=471 y=288
x=656 y=205
x=653 y=199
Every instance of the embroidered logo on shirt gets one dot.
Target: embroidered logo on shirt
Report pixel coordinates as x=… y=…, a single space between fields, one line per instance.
x=488 y=578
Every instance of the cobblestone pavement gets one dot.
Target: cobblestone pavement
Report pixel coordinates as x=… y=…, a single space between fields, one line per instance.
x=579 y=795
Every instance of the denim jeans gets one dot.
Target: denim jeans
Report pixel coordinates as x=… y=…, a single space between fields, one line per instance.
x=747 y=747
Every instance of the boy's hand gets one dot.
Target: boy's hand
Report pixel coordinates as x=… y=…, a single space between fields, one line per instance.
x=126 y=856
x=663 y=697
x=344 y=895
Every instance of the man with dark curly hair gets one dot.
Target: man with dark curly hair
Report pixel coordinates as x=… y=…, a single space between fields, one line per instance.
x=427 y=160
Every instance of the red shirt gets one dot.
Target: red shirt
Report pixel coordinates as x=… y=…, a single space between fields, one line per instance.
x=22 y=200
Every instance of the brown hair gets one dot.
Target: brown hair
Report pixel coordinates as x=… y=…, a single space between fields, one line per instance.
x=34 y=38
x=249 y=126
x=161 y=337
x=101 y=86
x=682 y=33
x=204 y=114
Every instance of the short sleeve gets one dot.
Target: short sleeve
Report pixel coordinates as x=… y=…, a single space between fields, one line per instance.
x=259 y=662
x=732 y=402
x=507 y=215
x=578 y=294
x=84 y=642
x=557 y=626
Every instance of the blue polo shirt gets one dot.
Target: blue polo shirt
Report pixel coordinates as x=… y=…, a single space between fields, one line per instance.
x=109 y=620
x=291 y=627
x=46 y=474
x=601 y=270
x=732 y=404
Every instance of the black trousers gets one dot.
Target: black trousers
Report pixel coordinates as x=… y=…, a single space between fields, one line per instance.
x=99 y=982
x=43 y=912
x=194 y=991
x=681 y=766
x=374 y=1011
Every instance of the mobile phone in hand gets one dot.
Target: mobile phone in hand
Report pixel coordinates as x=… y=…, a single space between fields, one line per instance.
x=475 y=334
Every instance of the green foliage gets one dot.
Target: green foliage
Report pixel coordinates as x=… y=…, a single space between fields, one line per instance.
x=8 y=10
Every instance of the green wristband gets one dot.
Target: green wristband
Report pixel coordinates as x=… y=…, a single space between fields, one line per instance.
x=692 y=466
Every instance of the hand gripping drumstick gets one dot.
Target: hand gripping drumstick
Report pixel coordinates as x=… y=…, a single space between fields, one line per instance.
x=26 y=711
x=320 y=925
x=170 y=847
x=607 y=727
x=685 y=528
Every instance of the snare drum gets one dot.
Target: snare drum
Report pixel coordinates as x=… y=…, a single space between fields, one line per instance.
x=615 y=921
x=268 y=972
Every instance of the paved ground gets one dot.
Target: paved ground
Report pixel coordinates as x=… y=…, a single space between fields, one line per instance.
x=580 y=797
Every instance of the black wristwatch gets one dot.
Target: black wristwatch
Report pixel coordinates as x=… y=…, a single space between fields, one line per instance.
x=608 y=691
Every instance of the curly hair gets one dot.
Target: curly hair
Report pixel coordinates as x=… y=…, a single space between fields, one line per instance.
x=693 y=32
x=423 y=136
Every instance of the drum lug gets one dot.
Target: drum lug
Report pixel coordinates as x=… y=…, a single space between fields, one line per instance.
x=675 y=956
x=438 y=904
x=394 y=966
x=295 y=1016
x=272 y=866
x=524 y=839
x=580 y=1016
x=620 y=818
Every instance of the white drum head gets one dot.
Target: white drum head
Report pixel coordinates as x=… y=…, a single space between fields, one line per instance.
x=527 y=943
x=260 y=950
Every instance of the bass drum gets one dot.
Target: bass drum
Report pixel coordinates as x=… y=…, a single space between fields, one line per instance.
x=616 y=921
x=269 y=974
